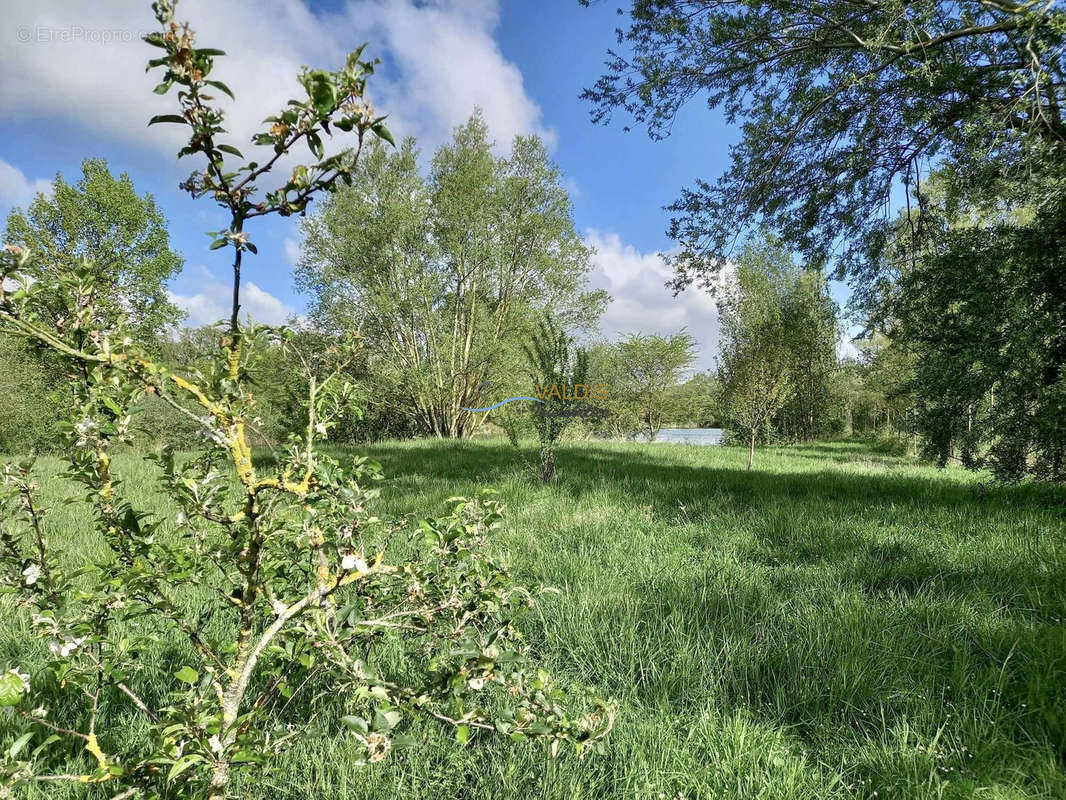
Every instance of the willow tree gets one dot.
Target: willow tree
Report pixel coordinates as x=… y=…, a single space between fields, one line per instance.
x=445 y=275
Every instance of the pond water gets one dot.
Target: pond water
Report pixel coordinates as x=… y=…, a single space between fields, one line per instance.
x=700 y=436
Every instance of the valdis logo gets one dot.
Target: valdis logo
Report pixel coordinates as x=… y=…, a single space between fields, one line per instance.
x=578 y=391
x=557 y=400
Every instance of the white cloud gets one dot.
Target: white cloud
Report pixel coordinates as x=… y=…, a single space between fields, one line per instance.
x=85 y=63
x=18 y=190
x=292 y=250
x=642 y=303
x=448 y=63
x=209 y=302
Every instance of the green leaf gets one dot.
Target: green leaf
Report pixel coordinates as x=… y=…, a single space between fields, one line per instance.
x=162 y=88
x=357 y=724
x=183 y=764
x=215 y=245
x=221 y=87
x=12 y=688
x=21 y=742
x=228 y=148
x=383 y=133
x=386 y=720
x=44 y=745
x=187 y=675
x=462 y=734
x=168 y=118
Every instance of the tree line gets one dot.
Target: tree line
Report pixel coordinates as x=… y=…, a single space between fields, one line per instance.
x=444 y=277
x=917 y=149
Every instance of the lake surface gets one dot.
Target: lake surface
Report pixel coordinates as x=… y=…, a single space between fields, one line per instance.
x=700 y=436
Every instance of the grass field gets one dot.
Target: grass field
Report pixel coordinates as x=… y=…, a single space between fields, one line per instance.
x=836 y=623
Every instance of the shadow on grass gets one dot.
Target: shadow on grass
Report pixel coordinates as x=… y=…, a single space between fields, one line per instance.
x=851 y=602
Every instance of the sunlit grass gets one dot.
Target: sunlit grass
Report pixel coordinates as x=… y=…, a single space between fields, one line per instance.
x=834 y=624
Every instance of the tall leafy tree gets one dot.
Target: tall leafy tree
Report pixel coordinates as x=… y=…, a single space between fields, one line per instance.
x=984 y=312
x=754 y=359
x=649 y=369
x=445 y=275
x=838 y=102
x=124 y=234
x=811 y=318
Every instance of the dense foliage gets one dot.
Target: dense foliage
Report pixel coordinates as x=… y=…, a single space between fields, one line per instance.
x=838 y=102
x=984 y=313
x=778 y=352
x=124 y=235
x=646 y=371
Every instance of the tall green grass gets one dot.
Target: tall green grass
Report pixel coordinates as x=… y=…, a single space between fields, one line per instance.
x=837 y=623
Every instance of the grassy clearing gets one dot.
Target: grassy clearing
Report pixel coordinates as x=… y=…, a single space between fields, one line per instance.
x=835 y=624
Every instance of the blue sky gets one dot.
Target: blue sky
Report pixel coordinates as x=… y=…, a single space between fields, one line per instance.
x=74 y=86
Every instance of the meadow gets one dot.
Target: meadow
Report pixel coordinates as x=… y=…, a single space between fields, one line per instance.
x=837 y=623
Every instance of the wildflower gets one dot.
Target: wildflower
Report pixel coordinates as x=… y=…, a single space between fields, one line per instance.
x=32 y=573
x=351 y=561
x=378 y=746
x=65 y=646
x=85 y=429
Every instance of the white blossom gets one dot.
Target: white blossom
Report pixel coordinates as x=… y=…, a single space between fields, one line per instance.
x=65 y=646
x=354 y=562
x=32 y=574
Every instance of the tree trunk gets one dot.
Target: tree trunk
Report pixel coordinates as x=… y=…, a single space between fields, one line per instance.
x=547 y=462
x=751 y=448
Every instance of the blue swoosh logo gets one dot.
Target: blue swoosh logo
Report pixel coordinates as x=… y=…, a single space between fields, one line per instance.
x=503 y=402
